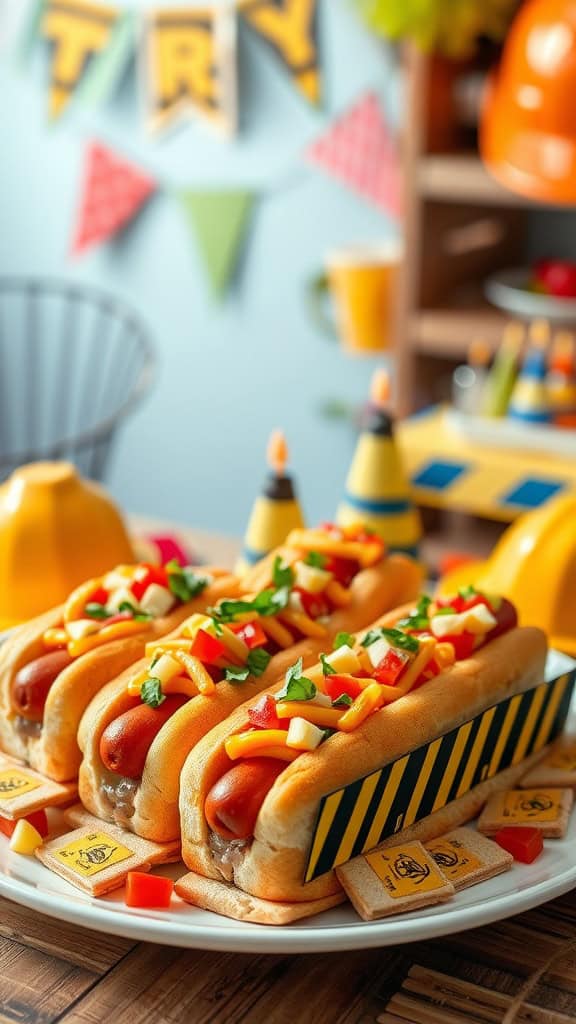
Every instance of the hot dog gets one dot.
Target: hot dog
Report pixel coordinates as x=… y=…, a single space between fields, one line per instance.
x=51 y=667
x=126 y=741
x=220 y=659
x=418 y=673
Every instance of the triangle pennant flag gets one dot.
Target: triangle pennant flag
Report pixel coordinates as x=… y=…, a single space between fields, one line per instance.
x=290 y=29
x=78 y=33
x=113 y=193
x=359 y=150
x=220 y=221
x=189 y=60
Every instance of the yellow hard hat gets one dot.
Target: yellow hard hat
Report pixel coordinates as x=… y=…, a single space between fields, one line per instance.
x=56 y=531
x=534 y=565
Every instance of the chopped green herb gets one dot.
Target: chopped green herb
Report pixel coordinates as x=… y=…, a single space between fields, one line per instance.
x=395 y=637
x=423 y=605
x=316 y=559
x=342 y=640
x=326 y=666
x=413 y=622
x=184 y=583
x=126 y=606
x=267 y=602
x=343 y=701
x=282 y=575
x=237 y=673
x=258 y=661
x=97 y=611
x=155 y=659
x=467 y=592
x=445 y=611
x=297 y=686
x=151 y=692
x=326 y=734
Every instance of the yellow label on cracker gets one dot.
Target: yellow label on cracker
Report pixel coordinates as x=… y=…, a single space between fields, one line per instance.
x=92 y=853
x=13 y=783
x=531 y=805
x=454 y=859
x=564 y=759
x=405 y=870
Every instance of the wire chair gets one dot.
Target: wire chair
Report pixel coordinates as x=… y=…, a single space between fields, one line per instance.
x=74 y=362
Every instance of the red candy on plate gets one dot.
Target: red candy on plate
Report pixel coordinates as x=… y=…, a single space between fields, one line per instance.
x=525 y=844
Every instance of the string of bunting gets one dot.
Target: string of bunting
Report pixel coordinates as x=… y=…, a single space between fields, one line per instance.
x=357 y=150
x=187 y=55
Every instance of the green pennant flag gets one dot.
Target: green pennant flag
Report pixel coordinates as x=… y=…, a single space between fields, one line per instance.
x=219 y=221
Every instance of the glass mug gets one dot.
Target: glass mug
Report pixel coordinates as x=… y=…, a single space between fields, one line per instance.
x=362 y=281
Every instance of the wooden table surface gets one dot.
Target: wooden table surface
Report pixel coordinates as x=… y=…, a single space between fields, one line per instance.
x=522 y=970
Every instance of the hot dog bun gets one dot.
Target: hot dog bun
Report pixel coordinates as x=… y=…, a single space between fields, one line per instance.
x=156 y=814
x=273 y=864
x=54 y=752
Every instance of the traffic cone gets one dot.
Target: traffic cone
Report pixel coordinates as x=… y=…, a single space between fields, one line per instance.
x=275 y=512
x=529 y=401
x=561 y=381
x=377 y=492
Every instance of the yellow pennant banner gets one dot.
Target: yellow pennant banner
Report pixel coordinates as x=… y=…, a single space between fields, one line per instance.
x=78 y=32
x=190 y=66
x=290 y=28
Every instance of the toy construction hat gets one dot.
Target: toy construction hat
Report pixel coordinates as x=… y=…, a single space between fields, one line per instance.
x=377 y=492
x=275 y=512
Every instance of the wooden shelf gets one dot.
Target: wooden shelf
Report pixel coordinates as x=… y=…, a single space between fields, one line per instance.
x=448 y=332
x=463 y=178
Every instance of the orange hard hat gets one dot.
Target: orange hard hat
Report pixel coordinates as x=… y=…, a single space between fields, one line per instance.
x=528 y=127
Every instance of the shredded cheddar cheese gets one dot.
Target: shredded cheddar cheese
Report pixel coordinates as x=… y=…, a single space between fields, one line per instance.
x=251 y=744
x=368 y=701
x=302 y=622
x=276 y=631
x=196 y=671
x=327 y=717
x=118 y=629
x=337 y=594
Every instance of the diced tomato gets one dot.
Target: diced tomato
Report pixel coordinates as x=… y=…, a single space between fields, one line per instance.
x=336 y=685
x=263 y=714
x=463 y=644
x=344 y=569
x=389 y=670
x=143 y=890
x=315 y=605
x=332 y=529
x=37 y=819
x=251 y=633
x=100 y=596
x=524 y=843
x=154 y=574
x=207 y=648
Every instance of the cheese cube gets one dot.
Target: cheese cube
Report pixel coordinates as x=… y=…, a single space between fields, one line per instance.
x=480 y=619
x=377 y=651
x=157 y=601
x=475 y=620
x=447 y=625
x=79 y=628
x=321 y=700
x=303 y=735
x=166 y=668
x=120 y=596
x=344 y=660
x=310 y=578
x=25 y=839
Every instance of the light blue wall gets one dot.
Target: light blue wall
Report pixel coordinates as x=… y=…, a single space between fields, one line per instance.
x=229 y=374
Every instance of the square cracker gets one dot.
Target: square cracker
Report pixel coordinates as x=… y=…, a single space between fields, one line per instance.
x=98 y=858
x=393 y=880
x=225 y=898
x=557 y=769
x=22 y=790
x=467 y=857
x=77 y=815
x=542 y=808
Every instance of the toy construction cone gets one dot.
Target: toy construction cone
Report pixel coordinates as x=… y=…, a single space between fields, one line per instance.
x=561 y=381
x=529 y=401
x=504 y=371
x=377 y=493
x=275 y=512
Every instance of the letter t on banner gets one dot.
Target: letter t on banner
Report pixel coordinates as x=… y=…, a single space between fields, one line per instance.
x=189 y=65
x=78 y=32
x=290 y=28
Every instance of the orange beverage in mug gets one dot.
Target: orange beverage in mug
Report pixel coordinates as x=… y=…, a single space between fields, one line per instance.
x=363 y=284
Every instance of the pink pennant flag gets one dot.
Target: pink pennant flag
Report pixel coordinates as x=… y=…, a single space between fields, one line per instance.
x=112 y=194
x=360 y=151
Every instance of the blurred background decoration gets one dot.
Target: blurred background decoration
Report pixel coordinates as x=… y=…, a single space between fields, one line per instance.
x=449 y=27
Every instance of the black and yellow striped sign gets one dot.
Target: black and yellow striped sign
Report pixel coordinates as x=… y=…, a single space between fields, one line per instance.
x=361 y=815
